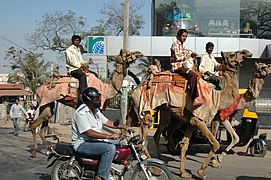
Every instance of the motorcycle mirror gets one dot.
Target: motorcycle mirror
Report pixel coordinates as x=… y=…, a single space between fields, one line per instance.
x=116 y=122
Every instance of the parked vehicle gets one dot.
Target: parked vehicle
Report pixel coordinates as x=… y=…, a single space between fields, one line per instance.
x=247 y=129
x=129 y=160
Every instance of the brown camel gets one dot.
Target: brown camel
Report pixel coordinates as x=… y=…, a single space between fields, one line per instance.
x=198 y=117
x=260 y=72
x=47 y=96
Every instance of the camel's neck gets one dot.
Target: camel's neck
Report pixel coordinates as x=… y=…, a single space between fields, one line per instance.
x=230 y=92
x=118 y=76
x=253 y=92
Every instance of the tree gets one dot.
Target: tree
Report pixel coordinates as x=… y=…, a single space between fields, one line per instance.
x=143 y=65
x=112 y=22
x=259 y=15
x=55 y=30
x=28 y=68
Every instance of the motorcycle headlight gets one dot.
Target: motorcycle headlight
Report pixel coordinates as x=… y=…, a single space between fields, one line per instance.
x=141 y=145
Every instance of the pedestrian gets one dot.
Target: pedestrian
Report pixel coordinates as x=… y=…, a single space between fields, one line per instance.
x=15 y=114
x=31 y=114
x=74 y=62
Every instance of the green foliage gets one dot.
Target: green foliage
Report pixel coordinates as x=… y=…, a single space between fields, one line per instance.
x=115 y=102
x=28 y=68
x=143 y=65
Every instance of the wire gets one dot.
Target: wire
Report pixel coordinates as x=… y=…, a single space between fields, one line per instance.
x=12 y=42
x=4 y=45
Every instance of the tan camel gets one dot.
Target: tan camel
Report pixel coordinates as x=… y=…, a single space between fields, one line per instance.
x=46 y=97
x=260 y=72
x=197 y=118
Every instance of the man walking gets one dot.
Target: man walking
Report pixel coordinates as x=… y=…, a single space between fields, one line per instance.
x=15 y=114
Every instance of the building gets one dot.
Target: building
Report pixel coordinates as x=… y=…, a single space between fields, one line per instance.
x=212 y=18
x=230 y=24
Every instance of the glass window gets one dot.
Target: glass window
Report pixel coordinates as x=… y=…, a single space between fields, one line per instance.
x=200 y=18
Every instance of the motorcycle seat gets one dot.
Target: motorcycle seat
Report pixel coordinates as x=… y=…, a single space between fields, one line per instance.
x=64 y=148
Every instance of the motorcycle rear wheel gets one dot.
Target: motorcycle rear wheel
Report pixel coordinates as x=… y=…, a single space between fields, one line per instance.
x=155 y=171
x=60 y=171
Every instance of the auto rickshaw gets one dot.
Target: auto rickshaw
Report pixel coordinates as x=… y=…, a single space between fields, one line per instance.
x=246 y=128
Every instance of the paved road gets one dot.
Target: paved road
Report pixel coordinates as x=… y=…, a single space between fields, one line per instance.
x=16 y=163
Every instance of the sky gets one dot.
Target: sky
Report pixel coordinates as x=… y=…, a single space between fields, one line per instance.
x=18 y=19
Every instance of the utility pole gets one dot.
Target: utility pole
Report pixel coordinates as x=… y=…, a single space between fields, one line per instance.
x=126 y=24
x=124 y=95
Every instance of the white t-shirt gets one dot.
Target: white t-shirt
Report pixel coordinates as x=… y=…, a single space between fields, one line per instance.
x=84 y=120
x=208 y=63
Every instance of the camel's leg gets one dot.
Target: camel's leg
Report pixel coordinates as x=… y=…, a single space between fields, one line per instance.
x=163 y=123
x=144 y=129
x=214 y=129
x=213 y=142
x=184 y=147
x=45 y=114
x=234 y=139
x=42 y=132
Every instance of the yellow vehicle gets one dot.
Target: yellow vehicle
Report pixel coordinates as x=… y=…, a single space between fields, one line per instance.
x=246 y=128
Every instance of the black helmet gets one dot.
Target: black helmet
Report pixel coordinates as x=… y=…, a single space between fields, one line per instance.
x=91 y=97
x=76 y=37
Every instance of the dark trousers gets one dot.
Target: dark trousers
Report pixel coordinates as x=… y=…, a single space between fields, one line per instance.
x=81 y=76
x=192 y=81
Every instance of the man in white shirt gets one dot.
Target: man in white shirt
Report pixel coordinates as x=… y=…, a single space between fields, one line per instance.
x=15 y=114
x=209 y=67
x=87 y=135
x=74 y=62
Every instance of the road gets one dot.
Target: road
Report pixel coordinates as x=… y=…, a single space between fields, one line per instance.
x=16 y=163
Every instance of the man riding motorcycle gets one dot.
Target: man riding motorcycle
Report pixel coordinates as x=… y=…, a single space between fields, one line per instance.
x=87 y=135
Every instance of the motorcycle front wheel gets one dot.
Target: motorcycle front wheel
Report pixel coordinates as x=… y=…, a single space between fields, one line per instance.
x=61 y=171
x=154 y=170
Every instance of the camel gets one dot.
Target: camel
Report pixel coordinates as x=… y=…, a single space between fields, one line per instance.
x=197 y=118
x=62 y=92
x=260 y=72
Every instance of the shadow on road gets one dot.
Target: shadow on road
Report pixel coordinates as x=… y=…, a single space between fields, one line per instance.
x=251 y=178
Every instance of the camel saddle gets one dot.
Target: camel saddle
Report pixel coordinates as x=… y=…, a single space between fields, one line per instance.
x=173 y=78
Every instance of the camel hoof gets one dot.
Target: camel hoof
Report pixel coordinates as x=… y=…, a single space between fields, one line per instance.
x=215 y=164
x=202 y=174
x=186 y=175
x=34 y=153
x=219 y=158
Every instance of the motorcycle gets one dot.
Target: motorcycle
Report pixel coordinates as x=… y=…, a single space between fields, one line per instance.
x=129 y=161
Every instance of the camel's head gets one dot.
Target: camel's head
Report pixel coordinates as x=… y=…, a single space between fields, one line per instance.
x=233 y=59
x=128 y=57
x=261 y=70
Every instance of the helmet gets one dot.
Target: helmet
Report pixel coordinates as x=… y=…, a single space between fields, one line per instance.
x=91 y=97
x=76 y=37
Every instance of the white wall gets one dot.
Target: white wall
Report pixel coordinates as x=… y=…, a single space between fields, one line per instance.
x=160 y=45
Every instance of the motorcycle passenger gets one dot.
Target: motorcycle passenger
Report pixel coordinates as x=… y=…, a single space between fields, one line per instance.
x=87 y=135
x=74 y=62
